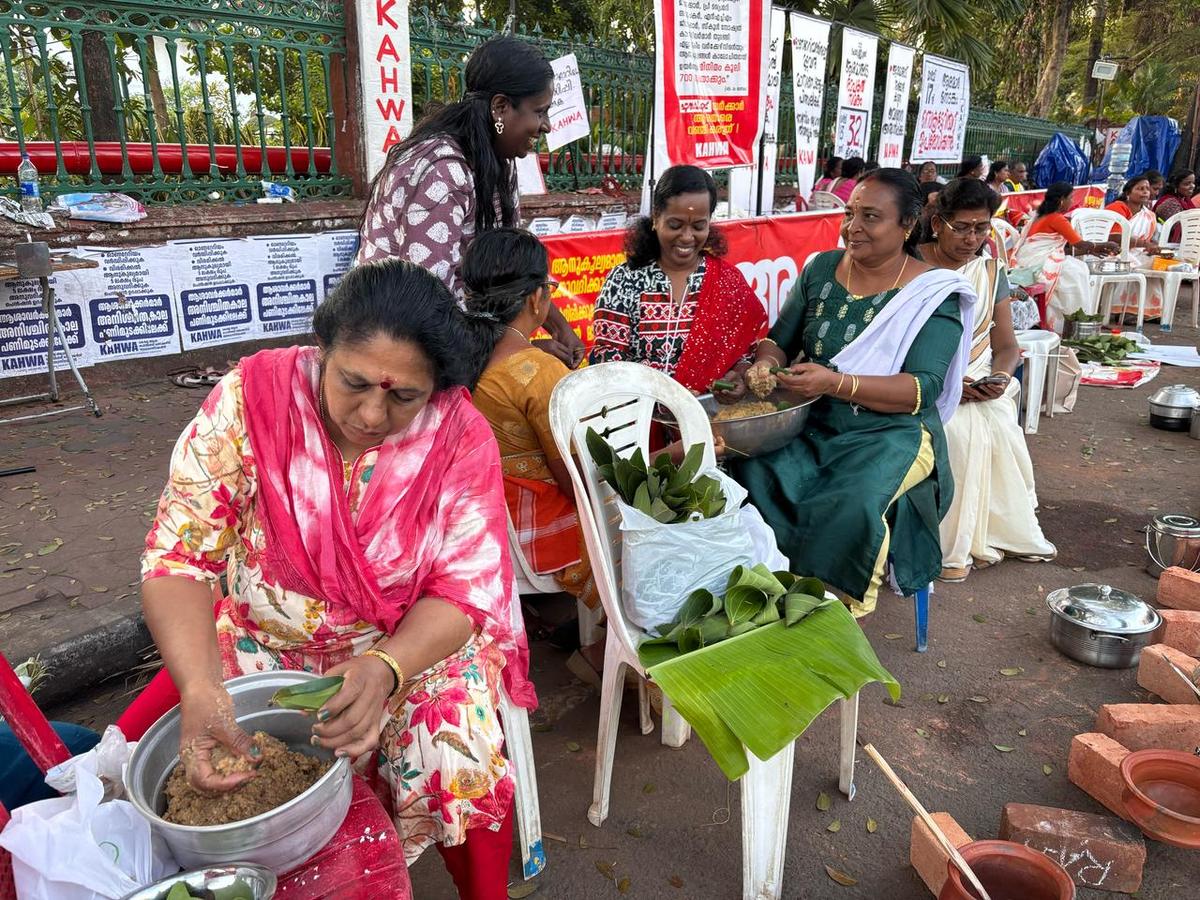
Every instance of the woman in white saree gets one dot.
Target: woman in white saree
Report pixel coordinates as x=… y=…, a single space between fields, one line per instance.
x=993 y=513
x=1050 y=247
x=1134 y=204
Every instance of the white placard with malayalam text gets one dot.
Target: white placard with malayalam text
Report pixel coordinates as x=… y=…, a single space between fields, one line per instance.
x=942 y=116
x=810 y=46
x=856 y=93
x=895 y=105
x=568 y=110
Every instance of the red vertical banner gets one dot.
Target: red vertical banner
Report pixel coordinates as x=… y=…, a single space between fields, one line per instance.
x=710 y=75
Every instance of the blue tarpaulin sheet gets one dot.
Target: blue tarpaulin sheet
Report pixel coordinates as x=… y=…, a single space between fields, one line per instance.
x=1155 y=140
x=1060 y=160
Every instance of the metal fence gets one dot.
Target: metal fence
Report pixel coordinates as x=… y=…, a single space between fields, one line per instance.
x=175 y=101
x=190 y=100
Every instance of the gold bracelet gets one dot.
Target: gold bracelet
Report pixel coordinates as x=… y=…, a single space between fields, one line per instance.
x=917 y=382
x=841 y=380
x=397 y=672
x=853 y=386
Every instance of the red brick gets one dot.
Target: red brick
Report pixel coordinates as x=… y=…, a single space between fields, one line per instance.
x=1182 y=631
x=1179 y=588
x=926 y=853
x=1097 y=851
x=1146 y=726
x=1095 y=766
x=1156 y=675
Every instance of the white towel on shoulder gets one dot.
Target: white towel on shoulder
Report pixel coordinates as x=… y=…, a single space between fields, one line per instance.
x=884 y=344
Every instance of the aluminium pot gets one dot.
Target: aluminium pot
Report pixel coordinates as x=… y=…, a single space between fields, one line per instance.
x=1101 y=626
x=1173 y=540
x=281 y=838
x=1172 y=406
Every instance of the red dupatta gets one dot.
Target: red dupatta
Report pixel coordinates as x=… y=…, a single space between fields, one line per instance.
x=431 y=522
x=729 y=320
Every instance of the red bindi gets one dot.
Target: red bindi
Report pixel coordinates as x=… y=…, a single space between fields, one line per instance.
x=385 y=385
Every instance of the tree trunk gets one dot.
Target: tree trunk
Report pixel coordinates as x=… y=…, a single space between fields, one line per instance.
x=157 y=97
x=1095 y=48
x=101 y=92
x=1056 y=51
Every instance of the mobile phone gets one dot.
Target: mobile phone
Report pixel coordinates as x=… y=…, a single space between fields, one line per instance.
x=990 y=379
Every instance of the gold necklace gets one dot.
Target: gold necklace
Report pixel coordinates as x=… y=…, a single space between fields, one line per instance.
x=850 y=276
x=326 y=419
x=518 y=333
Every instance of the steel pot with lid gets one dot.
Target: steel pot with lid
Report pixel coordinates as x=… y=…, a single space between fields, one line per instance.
x=1101 y=626
x=1173 y=540
x=1171 y=407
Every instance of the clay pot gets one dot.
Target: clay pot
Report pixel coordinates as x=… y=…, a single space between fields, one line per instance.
x=1162 y=795
x=1009 y=872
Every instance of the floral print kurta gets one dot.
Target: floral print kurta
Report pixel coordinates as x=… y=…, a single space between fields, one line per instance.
x=440 y=748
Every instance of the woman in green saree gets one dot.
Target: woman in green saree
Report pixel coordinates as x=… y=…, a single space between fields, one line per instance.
x=876 y=337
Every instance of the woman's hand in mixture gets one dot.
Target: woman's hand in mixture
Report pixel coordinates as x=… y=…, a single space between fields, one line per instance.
x=216 y=753
x=349 y=724
x=732 y=394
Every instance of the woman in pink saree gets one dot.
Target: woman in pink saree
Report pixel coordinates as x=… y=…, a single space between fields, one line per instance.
x=352 y=496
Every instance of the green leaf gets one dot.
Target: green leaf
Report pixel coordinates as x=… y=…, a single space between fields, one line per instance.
x=759 y=577
x=1047 y=770
x=1004 y=749
x=699 y=605
x=872 y=825
x=663 y=464
x=743 y=603
x=598 y=447
x=1011 y=671
x=761 y=690
x=823 y=802
x=689 y=467
x=573 y=747
x=798 y=606
x=835 y=826
x=641 y=499
x=307 y=695
x=980 y=618
x=179 y=891
x=814 y=587
x=769 y=614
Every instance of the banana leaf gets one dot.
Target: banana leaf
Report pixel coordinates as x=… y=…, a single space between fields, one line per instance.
x=759 y=691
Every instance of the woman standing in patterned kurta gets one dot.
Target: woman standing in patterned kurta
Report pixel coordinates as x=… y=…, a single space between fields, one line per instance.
x=454 y=177
x=882 y=342
x=674 y=304
x=352 y=496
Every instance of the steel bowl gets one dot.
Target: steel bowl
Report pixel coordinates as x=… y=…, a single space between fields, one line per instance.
x=281 y=838
x=1109 y=265
x=753 y=435
x=215 y=883
x=1101 y=626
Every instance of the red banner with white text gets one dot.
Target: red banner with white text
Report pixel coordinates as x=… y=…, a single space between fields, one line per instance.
x=710 y=71
x=770 y=253
x=1022 y=203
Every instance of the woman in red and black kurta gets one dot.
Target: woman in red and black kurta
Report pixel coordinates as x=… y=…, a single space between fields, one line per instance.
x=674 y=304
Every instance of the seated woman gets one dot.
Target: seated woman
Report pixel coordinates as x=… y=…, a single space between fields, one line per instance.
x=506 y=276
x=881 y=337
x=993 y=513
x=1177 y=196
x=1049 y=247
x=352 y=496
x=1135 y=204
x=970 y=167
x=852 y=170
x=830 y=173
x=997 y=177
x=675 y=304
x=927 y=173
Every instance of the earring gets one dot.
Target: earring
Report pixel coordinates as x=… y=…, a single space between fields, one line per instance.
x=499 y=127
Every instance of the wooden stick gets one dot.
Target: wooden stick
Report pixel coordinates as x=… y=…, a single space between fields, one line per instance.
x=908 y=795
x=1182 y=674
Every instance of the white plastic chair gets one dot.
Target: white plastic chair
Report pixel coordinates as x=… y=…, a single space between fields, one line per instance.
x=1007 y=235
x=529 y=582
x=1040 y=351
x=825 y=200
x=618 y=401
x=1188 y=222
x=519 y=742
x=1096 y=225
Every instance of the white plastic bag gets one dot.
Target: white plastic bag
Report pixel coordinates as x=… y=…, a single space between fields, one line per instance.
x=662 y=564
x=80 y=848
x=106 y=761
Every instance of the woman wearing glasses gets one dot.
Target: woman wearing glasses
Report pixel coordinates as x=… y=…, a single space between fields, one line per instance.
x=507 y=288
x=993 y=513
x=674 y=304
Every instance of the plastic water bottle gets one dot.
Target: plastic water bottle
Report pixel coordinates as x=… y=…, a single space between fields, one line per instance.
x=27 y=179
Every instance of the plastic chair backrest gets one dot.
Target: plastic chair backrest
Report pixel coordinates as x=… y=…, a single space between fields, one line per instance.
x=1096 y=225
x=825 y=200
x=1007 y=232
x=522 y=571
x=1188 y=221
x=618 y=400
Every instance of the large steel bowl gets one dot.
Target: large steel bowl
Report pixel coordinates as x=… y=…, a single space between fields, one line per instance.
x=215 y=882
x=281 y=838
x=753 y=435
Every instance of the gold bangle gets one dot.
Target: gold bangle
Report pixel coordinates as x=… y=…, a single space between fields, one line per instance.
x=917 y=382
x=853 y=386
x=397 y=672
x=841 y=380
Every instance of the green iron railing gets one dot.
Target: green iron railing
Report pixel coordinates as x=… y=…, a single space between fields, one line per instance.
x=190 y=100
x=174 y=102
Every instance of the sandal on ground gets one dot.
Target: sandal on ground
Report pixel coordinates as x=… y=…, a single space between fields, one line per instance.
x=954 y=576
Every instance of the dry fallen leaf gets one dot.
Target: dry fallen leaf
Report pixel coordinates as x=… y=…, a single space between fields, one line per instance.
x=840 y=877
x=1047 y=769
x=1022 y=732
x=1111 y=521
x=623 y=885
x=520 y=891
x=99 y=589
x=872 y=826
x=607 y=869
x=943 y=698
x=823 y=802
x=1003 y=749
x=922 y=732
x=892 y=636
x=648 y=788
x=634 y=832
x=573 y=747
x=980 y=618
x=835 y=826
x=978 y=698
x=1011 y=671
x=941 y=664
x=675 y=881
x=50 y=547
